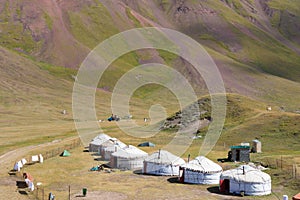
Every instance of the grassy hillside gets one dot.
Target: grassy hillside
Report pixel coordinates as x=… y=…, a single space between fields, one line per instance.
x=254 y=43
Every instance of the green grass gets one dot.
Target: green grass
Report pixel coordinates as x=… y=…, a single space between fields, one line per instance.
x=132 y=18
x=87 y=25
x=48 y=20
x=13 y=36
x=290 y=5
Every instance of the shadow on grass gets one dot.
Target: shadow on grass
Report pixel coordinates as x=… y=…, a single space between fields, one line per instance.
x=138 y=172
x=23 y=192
x=80 y=195
x=173 y=180
x=214 y=189
x=12 y=172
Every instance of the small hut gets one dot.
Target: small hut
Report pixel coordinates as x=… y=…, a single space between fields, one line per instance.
x=129 y=157
x=200 y=171
x=97 y=142
x=162 y=163
x=239 y=153
x=256 y=146
x=245 y=179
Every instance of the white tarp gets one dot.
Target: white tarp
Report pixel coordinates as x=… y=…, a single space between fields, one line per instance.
x=249 y=180
x=18 y=165
x=162 y=163
x=30 y=184
x=24 y=161
x=35 y=158
x=41 y=158
x=201 y=170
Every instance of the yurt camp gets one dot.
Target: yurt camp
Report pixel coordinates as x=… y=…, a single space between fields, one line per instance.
x=109 y=147
x=201 y=170
x=162 y=163
x=97 y=142
x=245 y=180
x=129 y=157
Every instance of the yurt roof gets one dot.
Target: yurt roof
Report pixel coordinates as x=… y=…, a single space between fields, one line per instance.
x=203 y=164
x=248 y=174
x=118 y=145
x=99 y=139
x=130 y=152
x=112 y=142
x=164 y=157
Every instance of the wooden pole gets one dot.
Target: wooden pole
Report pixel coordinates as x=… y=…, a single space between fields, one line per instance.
x=69 y=192
x=281 y=162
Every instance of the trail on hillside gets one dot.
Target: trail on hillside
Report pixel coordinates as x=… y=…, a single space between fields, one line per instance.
x=8 y=158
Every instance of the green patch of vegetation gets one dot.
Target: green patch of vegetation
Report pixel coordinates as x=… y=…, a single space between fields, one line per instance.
x=48 y=20
x=213 y=39
x=290 y=5
x=92 y=25
x=238 y=7
x=5 y=14
x=167 y=56
x=58 y=71
x=135 y=21
x=275 y=19
x=13 y=36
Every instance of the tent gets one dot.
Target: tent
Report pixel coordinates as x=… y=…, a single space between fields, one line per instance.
x=65 y=153
x=109 y=148
x=245 y=179
x=201 y=170
x=129 y=157
x=146 y=144
x=162 y=163
x=97 y=142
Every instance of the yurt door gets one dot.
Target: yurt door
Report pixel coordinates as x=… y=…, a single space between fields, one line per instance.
x=224 y=186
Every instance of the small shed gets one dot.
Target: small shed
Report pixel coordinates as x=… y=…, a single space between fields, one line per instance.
x=162 y=163
x=256 y=146
x=129 y=157
x=239 y=153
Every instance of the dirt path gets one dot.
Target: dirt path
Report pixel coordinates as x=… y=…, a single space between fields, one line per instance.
x=7 y=159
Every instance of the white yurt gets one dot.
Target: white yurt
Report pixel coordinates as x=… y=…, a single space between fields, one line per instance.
x=245 y=179
x=129 y=157
x=110 y=147
x=201 y=170
x=162 y=163
x=97 y=142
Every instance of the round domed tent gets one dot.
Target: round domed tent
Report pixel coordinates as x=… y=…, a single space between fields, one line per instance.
x=97 y=142
x=110 y=147
x=201 y=170
x=129 y=157
x=245 y=179
x=162 y=163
